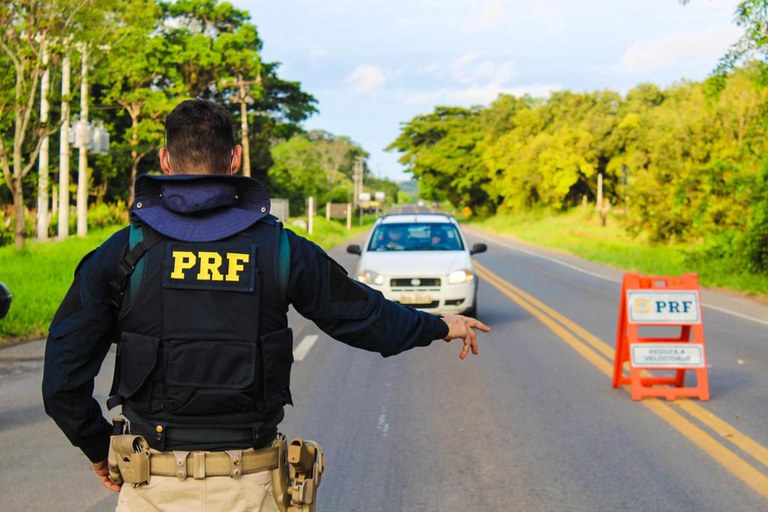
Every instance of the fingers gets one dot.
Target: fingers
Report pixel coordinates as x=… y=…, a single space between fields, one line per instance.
x=102 y=471
x=470 y=343
x=109 y=484
x=465 y=350
x=477 y=324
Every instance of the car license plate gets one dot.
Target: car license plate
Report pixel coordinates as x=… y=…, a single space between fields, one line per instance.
x=415 y=298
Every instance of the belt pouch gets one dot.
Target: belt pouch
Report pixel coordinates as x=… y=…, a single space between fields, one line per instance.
x=131 y=454
x=280 y=474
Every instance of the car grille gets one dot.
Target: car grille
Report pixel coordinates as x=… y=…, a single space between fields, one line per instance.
x=431 y=305
x=415 y=282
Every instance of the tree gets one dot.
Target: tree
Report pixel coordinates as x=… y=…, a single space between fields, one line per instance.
x=214 y=41
x=298 y=172
x=140 y=76
x=29 y=26
x=440 y=149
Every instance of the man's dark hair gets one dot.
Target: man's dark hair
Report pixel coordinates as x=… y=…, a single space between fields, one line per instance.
x=200 y=136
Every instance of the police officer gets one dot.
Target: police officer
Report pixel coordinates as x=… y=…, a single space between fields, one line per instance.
x=196 y=292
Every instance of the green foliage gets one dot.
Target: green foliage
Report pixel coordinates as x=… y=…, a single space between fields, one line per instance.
x=6 y=229
x=441 y=150
x=717 y=261
x=685 y=162
x=320 y=165
x=104 y=215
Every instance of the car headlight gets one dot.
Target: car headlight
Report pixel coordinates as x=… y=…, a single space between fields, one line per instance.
x=370 y=277
x=460 y=276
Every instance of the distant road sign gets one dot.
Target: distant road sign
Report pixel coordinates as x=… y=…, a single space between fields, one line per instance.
x=279 y=208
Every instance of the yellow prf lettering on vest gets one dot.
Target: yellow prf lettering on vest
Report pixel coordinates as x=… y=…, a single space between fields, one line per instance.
x=209 y=266
x=235 y=260
x=182 y=260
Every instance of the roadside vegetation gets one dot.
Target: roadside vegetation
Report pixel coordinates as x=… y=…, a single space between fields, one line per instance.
x=580 y=232
x=40 y=274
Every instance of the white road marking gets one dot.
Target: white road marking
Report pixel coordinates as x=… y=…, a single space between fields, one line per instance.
x=383 y=425
x=735 y=313
x=606 y=278
x=303 y=349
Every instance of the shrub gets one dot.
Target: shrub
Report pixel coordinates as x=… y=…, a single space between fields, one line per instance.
x=103 y=215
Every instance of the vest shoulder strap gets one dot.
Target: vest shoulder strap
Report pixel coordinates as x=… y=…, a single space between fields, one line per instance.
x=128 y=264
x=284 y=264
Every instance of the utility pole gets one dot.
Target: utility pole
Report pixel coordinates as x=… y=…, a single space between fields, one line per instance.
x=42 y=163
x=602 y=206
x=84 y=132
x=357 y=181
x=310 y=214
x=244 y=100
x=64 y=147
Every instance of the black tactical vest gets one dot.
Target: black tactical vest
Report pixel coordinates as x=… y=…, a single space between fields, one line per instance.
x=204 y=338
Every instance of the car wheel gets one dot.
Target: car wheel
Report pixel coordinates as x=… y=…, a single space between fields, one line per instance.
x=472 y=312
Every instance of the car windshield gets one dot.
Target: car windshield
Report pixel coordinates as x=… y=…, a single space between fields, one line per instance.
x=417 y=236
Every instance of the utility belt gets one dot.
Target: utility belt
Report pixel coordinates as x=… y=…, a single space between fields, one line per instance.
x=168 y=437
x=296 y=467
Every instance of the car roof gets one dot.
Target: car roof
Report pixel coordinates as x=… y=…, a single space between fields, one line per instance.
x=410 y=218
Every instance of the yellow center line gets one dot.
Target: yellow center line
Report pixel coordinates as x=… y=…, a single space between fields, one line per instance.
x=557 y=323
x=723 y=429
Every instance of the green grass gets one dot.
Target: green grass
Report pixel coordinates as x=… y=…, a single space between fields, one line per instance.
x=580 y=233
x=38 y=277
x=40 y=274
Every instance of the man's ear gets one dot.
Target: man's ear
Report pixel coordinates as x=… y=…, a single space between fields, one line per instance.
x=237 y=158
x=165 y=160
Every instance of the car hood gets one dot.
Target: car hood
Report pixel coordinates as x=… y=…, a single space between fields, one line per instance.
x=414 y=263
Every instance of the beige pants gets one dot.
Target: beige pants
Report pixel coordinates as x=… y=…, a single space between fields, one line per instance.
x=248 y=493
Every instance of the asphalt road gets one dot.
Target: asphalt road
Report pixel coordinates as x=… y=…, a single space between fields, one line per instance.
x=531 y=424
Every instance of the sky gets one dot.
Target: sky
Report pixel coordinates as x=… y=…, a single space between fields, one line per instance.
x=375 y=64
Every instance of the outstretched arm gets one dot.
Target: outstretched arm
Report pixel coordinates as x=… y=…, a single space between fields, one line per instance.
x=358 y=315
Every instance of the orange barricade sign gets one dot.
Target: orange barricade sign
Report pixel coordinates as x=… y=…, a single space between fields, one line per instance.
x=652 y=302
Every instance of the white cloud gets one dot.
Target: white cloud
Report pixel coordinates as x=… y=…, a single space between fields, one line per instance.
x=490 y=15
x=366 y=78
x=674 y=49
x=467 y=80
x=479 y=94
x=468 y=70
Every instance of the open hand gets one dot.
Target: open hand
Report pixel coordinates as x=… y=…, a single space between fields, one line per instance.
x=463 y=327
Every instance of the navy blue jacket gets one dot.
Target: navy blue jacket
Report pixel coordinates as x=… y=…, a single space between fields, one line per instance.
x=86 y=324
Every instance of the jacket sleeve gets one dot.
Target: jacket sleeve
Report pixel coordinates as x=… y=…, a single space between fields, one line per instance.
x=78 y=340
x=352 y=312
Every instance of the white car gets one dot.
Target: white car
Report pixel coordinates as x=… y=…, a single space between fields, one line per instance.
x=420 y=260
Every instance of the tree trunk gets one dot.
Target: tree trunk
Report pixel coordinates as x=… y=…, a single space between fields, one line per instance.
x=64 y=149
x=18 y=209
x=82 y=169
x=42 y=179
x=244 y=128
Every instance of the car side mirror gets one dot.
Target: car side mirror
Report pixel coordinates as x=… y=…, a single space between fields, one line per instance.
x=478 y=248
x=5 y=300
x=354 y=249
